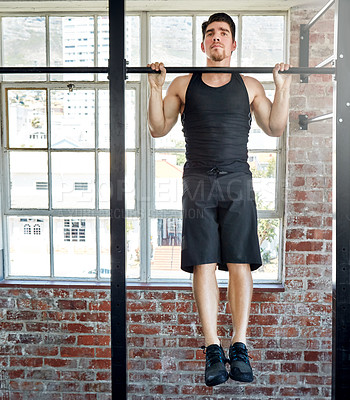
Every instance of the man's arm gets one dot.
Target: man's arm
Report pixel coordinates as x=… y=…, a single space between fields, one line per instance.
x=272 y=117
x=162 y=114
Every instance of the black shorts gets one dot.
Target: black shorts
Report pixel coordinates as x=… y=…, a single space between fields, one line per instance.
x=219 y=220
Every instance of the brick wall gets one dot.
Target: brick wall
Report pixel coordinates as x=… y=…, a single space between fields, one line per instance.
x=55 y=343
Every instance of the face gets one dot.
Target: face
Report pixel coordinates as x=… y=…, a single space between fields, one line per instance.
x=218 y=43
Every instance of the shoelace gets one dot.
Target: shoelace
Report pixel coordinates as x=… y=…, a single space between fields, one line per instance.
x=239 y=354
x=214 y=356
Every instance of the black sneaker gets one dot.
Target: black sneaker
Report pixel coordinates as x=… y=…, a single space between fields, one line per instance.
x=239 y=360
x=215 y=370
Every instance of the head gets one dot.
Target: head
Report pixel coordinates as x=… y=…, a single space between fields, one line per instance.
x=218 y=37
x=219 y=17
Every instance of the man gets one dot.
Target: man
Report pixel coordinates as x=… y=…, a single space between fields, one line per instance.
x=216 y=111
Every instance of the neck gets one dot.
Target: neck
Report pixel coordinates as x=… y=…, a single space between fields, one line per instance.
x=226 y=62
x=223 y=78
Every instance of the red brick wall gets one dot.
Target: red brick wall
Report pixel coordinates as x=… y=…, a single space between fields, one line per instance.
x=55 y=343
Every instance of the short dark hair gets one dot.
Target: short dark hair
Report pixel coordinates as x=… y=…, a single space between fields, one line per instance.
x=219 y=17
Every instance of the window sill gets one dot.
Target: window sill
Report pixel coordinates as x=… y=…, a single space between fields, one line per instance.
x=258 y=287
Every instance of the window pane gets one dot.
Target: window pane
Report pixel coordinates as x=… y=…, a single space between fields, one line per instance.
x=166 y=248
x=132 y=247
x=130 y=174
x=131 y=128
x=103 y=41
x=263 y=167
x=130 y=118
x=200 y=56
x=104 y=182
x=27 y=118
x=168 y=180
x=67 y=170
x=74 y=241
x=28 y=179
x=72 y=119
x=72 y=45
x=26 y=49
x=132 y=43
x=171 y=41
x=103 y=44
x=29 y=246
x=103 y=119
x=257 y=137
x=269 y=239
x=262 y=42
x=104 y=186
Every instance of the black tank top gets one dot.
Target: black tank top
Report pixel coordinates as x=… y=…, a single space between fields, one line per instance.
x=216 y=123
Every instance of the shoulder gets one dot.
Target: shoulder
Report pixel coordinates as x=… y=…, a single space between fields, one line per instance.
x=252 y=83
x=178 y=87
x=179 y=84
x=254 y=87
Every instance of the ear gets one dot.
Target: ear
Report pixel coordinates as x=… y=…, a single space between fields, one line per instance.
x=202 y=47
x=234 y=46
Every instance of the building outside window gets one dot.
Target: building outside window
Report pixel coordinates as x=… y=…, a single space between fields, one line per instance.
x=56 y=147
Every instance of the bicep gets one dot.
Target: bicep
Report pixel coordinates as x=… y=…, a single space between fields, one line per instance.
x=261 y=106
x=172 y=105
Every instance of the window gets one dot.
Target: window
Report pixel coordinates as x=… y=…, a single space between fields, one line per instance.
x=56 y=147
x=41 y=185
x=74 y=230
x=81 y=186
x=36 y=229
x=27 y=229
x=56 y=150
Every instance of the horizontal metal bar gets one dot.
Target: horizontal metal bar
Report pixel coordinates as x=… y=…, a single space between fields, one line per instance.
x=304 y=120
x=320 y=118
x=320 y=13
x=53 y=70
x=176 y=70
x=326 y=62
x=251 y=70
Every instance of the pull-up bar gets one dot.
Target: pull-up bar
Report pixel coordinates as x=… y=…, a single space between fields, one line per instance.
x=247 y=70
x=175 y=70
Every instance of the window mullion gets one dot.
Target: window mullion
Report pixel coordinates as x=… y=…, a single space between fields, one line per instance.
x=49 y=176
x=98 y=258
x=48 y=44
x=144 y=185
x=239 y=41
x=145 y=158
x=194 y=41
x=97 y=186
x=52 y=266
x=95 y=45
x=48 y=114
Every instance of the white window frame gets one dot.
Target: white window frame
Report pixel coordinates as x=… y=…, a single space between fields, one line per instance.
x=144 y=149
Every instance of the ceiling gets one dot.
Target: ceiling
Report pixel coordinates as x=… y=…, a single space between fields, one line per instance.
x=218 y=5
x=157 y=5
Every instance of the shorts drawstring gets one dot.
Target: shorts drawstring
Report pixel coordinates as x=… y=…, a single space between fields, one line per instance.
x=216 y=171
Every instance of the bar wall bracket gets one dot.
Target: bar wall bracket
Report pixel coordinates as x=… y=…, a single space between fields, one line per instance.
x=304 y=50
x=303 y=122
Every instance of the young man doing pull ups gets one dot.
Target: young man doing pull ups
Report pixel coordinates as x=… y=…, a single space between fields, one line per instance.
x=216 y=113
